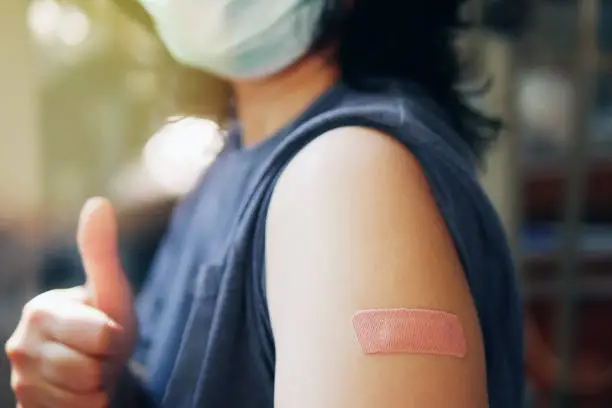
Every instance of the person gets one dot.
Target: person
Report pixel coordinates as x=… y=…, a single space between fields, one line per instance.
x=338 y=253
x=143 y=233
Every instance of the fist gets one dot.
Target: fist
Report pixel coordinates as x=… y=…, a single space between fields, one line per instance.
x=70 y=345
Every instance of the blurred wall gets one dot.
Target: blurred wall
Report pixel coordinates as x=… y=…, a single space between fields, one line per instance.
x=500 y=177
x=19 y=173
x=20 y=180
x=19 y=143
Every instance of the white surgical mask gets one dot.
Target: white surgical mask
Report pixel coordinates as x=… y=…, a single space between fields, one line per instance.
x=236 y=39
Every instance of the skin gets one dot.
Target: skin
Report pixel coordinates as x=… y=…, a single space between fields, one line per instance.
x=352 y=204
x=367 y=235
x=352 y=221
x=70 y=345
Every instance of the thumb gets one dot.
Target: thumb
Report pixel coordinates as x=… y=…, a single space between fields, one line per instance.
x=106 y=281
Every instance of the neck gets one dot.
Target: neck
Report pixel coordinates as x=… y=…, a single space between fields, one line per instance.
x=265 y=106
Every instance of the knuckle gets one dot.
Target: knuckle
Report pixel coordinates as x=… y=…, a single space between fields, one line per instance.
x=16 y=351
x=33 y=313
x=41 y=304
x=11 y=346
x=20 y=387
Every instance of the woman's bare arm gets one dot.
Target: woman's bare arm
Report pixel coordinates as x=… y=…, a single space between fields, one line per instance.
x=352 y=226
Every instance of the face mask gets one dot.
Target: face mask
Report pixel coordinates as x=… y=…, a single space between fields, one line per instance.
x=236 y=39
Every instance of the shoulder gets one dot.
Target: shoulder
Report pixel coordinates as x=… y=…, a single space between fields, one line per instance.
x=352 y=226
x=347 y=161
x=351 y=174
x=355 y=188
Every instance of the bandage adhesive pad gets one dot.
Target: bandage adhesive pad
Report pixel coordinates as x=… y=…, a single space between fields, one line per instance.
x=410 y=331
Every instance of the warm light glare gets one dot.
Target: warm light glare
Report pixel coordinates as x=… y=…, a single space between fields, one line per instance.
x=44 y=16
x=545 y=103
x=51 y=21
x=176 y=156
x=74 y=28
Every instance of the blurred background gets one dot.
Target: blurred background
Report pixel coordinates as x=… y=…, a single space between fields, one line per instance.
x=88 y=106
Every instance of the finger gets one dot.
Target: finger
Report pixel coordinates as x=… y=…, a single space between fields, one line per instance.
x=76 y=294
x=97 y=239
x=84 y=329
x=22 y=347
x=51 y=317
x=27 y=401
x=24 y=393
x=39 y=394
x=70 y=370
x=38 y=312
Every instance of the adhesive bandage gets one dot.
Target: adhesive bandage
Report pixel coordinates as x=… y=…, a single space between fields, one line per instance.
x=409 y=331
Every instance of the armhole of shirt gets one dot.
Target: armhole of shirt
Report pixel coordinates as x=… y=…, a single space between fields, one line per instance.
x=399 y=127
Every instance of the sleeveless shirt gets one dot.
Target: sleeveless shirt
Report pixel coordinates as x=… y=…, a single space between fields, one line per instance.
x=206 y=340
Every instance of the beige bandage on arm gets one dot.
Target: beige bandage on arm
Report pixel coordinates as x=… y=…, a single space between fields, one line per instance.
x=409 y=331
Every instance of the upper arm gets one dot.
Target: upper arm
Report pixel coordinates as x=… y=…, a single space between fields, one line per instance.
x=352 y=226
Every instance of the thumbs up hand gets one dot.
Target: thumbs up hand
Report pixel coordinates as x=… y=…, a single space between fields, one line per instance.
x=107 y=285
x=70 y=345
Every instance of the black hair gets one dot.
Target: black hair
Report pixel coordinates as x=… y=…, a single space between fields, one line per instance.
x=409 y=42
x=406 y=41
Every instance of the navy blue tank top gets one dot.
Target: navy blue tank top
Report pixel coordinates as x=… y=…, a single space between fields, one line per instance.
x=206 y=340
